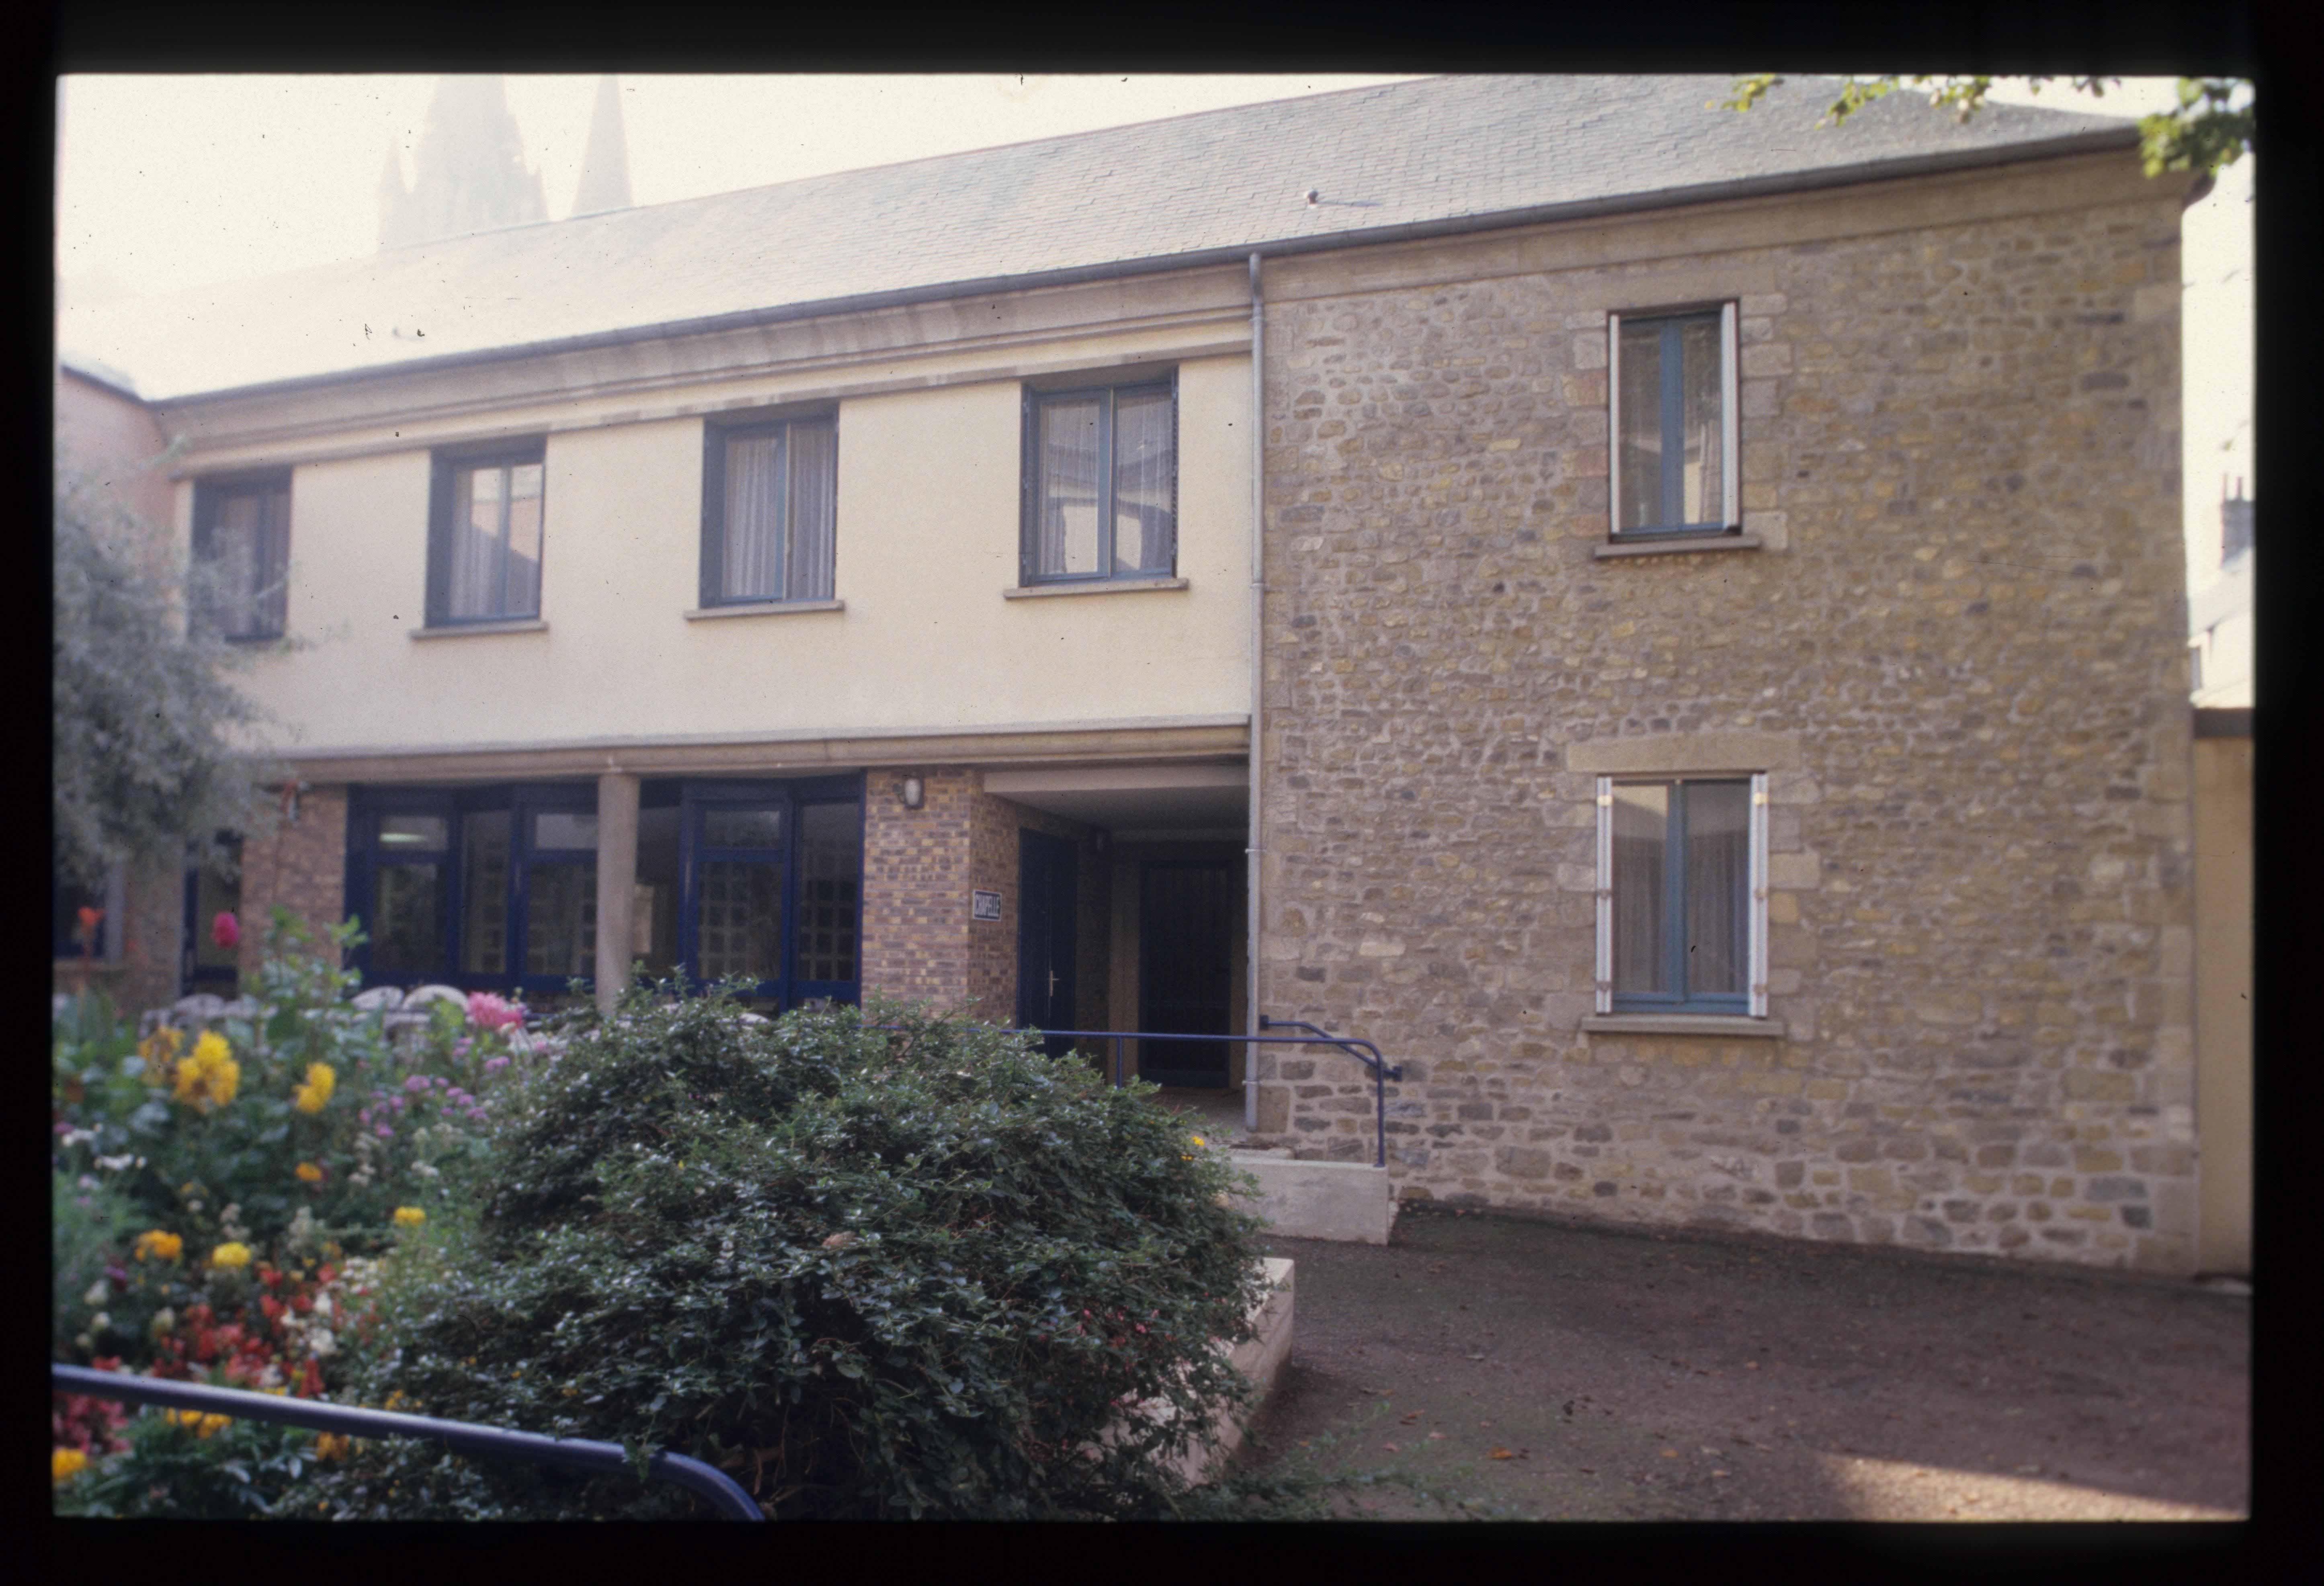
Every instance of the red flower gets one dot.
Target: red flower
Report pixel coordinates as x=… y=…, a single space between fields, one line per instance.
x=271 y=1305
x=301 y=1304
x=225 y=930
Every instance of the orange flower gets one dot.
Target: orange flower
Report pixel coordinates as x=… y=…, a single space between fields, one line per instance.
x=308 y=1173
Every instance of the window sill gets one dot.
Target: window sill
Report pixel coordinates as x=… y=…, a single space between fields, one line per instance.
x=1674 y=545
x=1092 y=586
x=1682 y=1024
x=461 y=630
x=763 y=608
x=250 y=637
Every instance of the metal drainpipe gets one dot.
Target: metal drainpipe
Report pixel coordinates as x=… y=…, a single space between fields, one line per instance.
x=1252 y=854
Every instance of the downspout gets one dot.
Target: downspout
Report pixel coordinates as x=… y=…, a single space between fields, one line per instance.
x=1251 y=852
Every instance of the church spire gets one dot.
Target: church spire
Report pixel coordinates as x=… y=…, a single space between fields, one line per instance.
x=470 y=172
x=605 y=166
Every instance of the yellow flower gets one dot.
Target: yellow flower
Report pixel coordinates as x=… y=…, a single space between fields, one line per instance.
x=202 y=1422
x=321 y=1081
x=168 y=1247
x=160 y=1051
x=330 y=1445
x=65 y=1463
x=308 y=1173
x=410 y=1216
x=209 y=1076
x=233 y=1253
x=1201 y=1141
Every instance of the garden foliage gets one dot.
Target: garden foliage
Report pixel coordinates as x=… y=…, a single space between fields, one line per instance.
x=221 y=1200
x=872 y=1272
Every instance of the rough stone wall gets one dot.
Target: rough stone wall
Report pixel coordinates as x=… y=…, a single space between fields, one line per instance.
x=992 y=970
x=916 y=887
x=300 y=865
x=1959 y=448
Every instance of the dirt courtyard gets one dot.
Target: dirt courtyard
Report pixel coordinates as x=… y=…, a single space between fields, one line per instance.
x=1531 y=1369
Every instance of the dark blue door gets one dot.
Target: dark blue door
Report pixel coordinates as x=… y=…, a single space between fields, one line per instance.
x=1186 y=968
x=1046 y=878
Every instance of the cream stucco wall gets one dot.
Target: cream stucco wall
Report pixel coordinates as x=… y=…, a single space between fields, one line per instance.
x=927 y=543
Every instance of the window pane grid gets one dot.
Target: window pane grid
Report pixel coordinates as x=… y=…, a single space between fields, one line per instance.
x=1105 y=483
x=1670 y=424
x=1679 y=919
x=493 y=551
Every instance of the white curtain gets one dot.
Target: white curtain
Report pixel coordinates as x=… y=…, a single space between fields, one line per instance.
x=1704 y=472
x=1067 y=539
x=475 y=543
x=1641 y=827
x=814 y=508
x=1145 y=484
x=1718 y=885
x=750 y=565
x=1640 y=427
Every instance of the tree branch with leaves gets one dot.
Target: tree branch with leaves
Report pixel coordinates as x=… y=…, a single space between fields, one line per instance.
x=143 y=771
x=2211 y=129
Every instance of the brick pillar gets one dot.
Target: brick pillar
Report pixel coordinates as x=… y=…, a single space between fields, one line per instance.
x=302 y=865
x=916 y=885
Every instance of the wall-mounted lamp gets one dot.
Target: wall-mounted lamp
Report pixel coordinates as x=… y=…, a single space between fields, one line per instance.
x=913 y=791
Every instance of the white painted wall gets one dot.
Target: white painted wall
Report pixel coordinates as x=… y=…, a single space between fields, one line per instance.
x=926 y=541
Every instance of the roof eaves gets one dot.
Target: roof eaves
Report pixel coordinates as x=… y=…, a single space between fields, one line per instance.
x=2098 y=141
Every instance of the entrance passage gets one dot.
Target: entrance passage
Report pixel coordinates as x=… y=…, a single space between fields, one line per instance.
x=1186 y=968
x=1046 y=895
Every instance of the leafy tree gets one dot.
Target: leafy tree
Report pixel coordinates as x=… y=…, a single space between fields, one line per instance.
x=2211 y=127
x=143 y=768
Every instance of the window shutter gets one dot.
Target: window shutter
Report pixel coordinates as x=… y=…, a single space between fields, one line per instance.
x=1757 y=916
x=1730 y=420
x=1605 y=976
x=1613 y=462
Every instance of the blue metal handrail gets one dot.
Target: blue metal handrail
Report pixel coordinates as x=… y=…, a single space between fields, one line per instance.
x=721 y=1492
x=1362 y=1051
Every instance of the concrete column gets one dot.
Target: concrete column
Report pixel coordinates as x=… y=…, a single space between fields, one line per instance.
x=617 y=881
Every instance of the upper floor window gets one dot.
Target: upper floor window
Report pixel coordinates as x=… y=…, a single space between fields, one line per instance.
x=241 y=551
x=1673 y=398
x=484 y=558
x=770 y=496
x=1101 y=483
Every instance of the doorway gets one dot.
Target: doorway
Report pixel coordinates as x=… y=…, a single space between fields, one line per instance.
x=1186 y=968
x=1047 y=880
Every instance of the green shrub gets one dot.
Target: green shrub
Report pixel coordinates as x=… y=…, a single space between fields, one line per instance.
x=183 y=1466
x=873 y=1273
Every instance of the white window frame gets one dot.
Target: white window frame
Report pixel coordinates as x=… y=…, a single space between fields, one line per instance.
x=1731 y=477
x=1756 y=916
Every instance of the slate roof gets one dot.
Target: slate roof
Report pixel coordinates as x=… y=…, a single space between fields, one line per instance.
x=1432 y=153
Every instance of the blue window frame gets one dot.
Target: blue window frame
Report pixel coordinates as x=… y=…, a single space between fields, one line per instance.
x=484 y=536
x=1101 y=483
x=1681 y=870
x=242 y=554
x=486 y=889
x=1673 y=404
x=770 y=510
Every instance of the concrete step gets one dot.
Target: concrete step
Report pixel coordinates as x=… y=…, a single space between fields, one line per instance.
x=1345 y=1201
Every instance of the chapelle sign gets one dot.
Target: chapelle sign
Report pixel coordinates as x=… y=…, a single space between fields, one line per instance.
x=986 y=906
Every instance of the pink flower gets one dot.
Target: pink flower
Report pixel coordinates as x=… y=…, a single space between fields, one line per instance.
x=384 y=1132
x=416 y=1084
x=493 y=1012
x=225 y=930
x=492 y=1066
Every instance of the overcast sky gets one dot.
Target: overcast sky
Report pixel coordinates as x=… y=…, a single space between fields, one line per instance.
x=173 y=181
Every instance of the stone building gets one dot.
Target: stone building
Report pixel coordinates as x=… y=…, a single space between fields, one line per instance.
x=1707 y=695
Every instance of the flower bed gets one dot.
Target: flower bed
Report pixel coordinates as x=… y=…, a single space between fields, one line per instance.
x=224 y=1197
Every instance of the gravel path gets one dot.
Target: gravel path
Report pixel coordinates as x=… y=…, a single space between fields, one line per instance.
x=1544 y=1370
